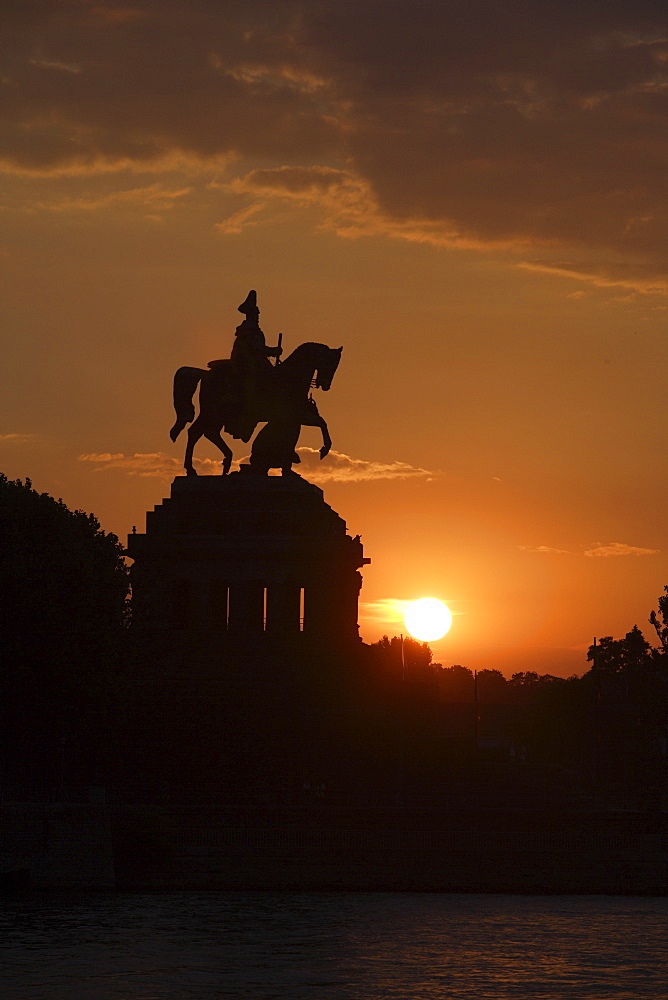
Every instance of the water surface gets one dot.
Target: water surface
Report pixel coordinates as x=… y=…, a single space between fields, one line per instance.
x=149 y=946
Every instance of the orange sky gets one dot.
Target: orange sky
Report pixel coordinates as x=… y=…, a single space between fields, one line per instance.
x=469 y=197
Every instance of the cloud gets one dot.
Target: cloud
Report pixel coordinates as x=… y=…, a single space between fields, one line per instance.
x=619 y=549
x=545 y=549
x=238 y=221
x=336 y=467
x=344 y=202
x=340 y=468
x=613 y=549
x=154 y=465
x=153 y=197
x=304 y=184
x=601 y=275
x=16 y=438
x=470 y=123
x=389 y=611
x=346 y=205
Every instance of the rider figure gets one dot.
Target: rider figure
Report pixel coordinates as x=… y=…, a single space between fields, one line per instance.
x=250 y=356
x=250 y=349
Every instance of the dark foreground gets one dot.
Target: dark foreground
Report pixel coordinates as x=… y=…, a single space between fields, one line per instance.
x=314 y=849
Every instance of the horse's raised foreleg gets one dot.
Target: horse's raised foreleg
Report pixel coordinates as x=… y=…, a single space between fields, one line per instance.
x=326 y=439
x=216 y=438
x=195 y=432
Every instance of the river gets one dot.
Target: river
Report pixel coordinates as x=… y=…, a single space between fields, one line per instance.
x=363 y=946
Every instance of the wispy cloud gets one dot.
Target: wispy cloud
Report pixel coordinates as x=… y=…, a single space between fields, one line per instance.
x=387 y=611
x=153 y=196
x=599 y=550
x=161 y=161
x=542 y=548
x=16 y=438
x=240 y=220
x=619 y=549
x=337 y=467
x=340 y=468
x=608 y=276
x=153 y=465
x=347 y=206
x=55 y=64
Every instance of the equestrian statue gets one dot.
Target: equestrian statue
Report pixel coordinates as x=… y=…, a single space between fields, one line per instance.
x=238 y=393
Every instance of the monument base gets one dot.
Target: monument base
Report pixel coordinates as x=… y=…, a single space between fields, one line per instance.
x=250 y=556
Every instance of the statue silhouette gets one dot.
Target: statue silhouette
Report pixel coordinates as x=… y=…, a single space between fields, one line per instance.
x=236 y=394
x=251 y=356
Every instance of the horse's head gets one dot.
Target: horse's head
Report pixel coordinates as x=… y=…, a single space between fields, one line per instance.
x=309 y=366
x=326 y=367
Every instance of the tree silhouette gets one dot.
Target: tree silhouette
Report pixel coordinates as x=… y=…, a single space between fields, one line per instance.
x=618 y=656
x=660 y=621
x=628 y=687
x=416 y=655
x=455 y=684
x=492 y=686
x=63 y=607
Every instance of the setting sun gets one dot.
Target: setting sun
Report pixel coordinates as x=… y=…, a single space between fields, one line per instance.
x=427 y=619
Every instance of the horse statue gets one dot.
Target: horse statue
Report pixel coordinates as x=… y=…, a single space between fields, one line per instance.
x=285 y=404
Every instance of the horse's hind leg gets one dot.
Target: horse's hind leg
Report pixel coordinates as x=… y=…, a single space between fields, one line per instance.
x=194 y=434
x=216 y=438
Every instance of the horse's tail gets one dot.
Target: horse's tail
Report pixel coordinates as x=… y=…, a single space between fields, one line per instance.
x=186 y=381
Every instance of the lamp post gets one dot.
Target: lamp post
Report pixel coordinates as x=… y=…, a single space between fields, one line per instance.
x=402 y=735
x=476 y=711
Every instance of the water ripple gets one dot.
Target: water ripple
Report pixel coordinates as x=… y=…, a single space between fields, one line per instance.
x=319 y=946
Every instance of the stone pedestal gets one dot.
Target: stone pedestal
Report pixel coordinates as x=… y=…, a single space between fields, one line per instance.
x=250 y=557
x=245 y=636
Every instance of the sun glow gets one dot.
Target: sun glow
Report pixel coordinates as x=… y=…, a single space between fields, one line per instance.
x=427 y=619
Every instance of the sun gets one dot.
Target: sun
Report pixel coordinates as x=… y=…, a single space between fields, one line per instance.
x=427 y=619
